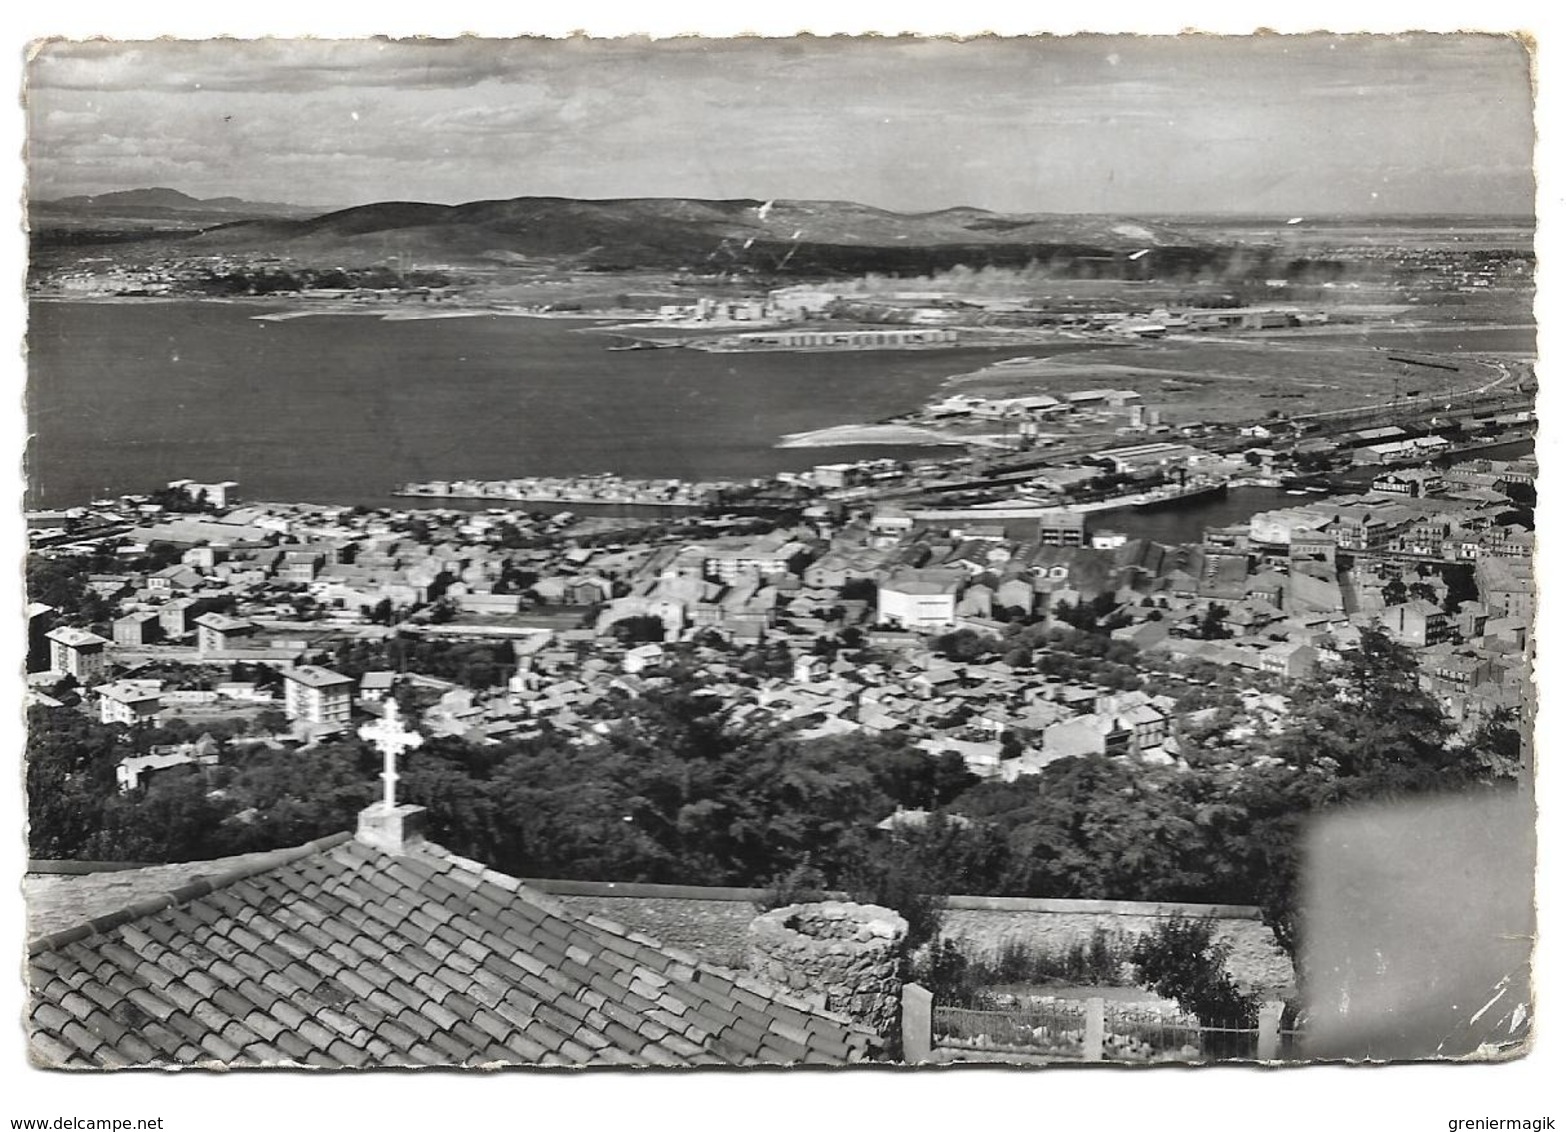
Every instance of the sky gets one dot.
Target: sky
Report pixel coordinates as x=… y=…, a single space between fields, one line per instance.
x=1298 y=124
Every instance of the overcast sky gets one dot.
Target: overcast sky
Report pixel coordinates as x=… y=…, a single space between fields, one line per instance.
x=1276 y=124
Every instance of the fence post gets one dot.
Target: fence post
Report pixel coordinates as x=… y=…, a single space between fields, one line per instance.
x=1269 y=1036
x=918 y=1024
x=1093 y=1031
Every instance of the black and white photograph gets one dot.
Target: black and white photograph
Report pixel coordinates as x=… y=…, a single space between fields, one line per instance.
x=836 y=552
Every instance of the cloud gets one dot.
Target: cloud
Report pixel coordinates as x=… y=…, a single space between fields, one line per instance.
x=276 y=65
x=1091 y=122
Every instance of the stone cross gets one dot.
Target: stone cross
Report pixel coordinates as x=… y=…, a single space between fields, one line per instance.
x=388 y=736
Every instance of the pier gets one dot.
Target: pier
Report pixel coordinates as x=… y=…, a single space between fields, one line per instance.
x=574 y=489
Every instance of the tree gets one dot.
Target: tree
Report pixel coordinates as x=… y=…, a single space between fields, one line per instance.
x=159 y=555
x=1497 y=744
x=911 y=778
x=174 y=818
x=1179 y=960
x=638 y=630
x=1359 y=730
x=859 y=589
x=1460 y=585
x=269 y=721
x=70 y=774
x=62 y=583
x=1212 y=627
x=965 y=645
x=1366 y=718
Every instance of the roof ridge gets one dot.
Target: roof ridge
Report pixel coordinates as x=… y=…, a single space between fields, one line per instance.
x=184 y=893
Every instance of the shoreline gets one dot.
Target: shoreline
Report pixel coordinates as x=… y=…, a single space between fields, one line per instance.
x=894 y=435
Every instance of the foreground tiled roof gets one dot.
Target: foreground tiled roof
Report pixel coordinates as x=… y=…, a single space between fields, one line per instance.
x=338 y=955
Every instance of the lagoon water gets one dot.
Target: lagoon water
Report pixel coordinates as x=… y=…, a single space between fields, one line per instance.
x=125 y=396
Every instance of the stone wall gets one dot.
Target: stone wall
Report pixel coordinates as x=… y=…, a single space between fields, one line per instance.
x=844 y=954
x=713 y=923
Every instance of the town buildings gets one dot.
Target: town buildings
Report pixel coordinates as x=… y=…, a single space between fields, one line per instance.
x=866 y=618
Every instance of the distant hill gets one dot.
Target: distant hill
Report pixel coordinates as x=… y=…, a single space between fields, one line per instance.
x=805 y=237
x=159 y=203
x=782 y=235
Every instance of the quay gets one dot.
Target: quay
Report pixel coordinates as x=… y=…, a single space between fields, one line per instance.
x=574 y=489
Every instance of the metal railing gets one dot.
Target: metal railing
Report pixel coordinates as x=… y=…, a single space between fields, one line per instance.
x=1142 y=1035
x=1092 y=1029
x=1055 y=1030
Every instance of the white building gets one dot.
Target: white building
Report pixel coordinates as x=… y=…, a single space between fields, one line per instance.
x=129 y=702
x=78 y=653
x=919 y=599
x=318 y=696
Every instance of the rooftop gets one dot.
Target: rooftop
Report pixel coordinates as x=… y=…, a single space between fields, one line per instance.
x=75 y=638
x=222 y=622
x=314 y=676
x=336 y=954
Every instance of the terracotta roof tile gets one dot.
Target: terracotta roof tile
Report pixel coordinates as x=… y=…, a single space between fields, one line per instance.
x=99 y=995
x=231 y=1002
x=454 y=1049
x=238 y=1034
x=265 y=1054
x=354 y=983
x=418 y=1024
x=49 y=1016
x=107 y=1028
x=289 y=1015
x=112 y=1058
x=470 y=1036
x=252 y=966
x=50 y=1050
x=264 y=1025
x=347 y=1054
x=524 y=1049
x=396 y=1035
x=295 y=1047
x=577 y=1052
x=781 y=1053
x=428 y=1055
x=315 y=1033
x=573 y=1008
x=680 y=1045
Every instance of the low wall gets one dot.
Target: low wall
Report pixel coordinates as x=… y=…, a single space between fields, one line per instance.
x=984 y=925
x=713 y=923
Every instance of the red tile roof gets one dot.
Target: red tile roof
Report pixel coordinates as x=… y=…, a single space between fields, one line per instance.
x=335 y=954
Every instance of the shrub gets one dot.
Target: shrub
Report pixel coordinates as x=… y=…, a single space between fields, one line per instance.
x=1179 y=960
x=802 y=884
x=958 y=978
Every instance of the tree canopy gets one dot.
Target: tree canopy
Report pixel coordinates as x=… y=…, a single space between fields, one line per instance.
x=670 y=790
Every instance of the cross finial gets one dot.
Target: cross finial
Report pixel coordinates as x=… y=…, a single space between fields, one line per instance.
x=388 y=736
